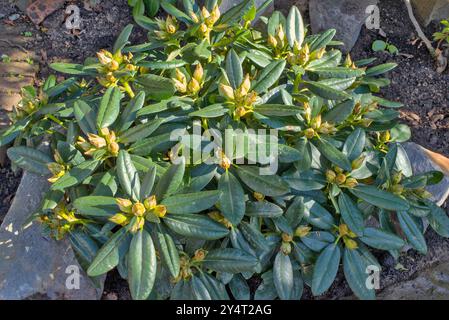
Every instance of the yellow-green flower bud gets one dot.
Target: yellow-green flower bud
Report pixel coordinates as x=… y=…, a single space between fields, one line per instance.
x=138 y=209
x=330 y=176
x=150 y=202
x=309 y=133
x=286 y=237
x=350 y=244
x=351 y=182
x=286 y=248
x=226 y=91
x=340 y=179
x=120 y=219
x=302 y=231
x=198 y=73
x=160 y=210
x=125 y=205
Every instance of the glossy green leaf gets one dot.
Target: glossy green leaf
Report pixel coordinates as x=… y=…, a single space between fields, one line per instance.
x=128 y=175
x=382 y=240
x=317 y=215
x=109 y=108
x=156 y=87
x=354 y=267
x=354 y=144
x=96 y=206
x=380 y=198
x=168 y=251
x=84 y=116
x=340 y=112
x=351 y=214
x=30 y=159
x=141 y=131
x=269 y=75
x=170 y=180
x=325 y=91
x=412 y=232
x=234 y=69
x=295 y=30
x=191 y=202
x=230 y=260
x=122 y=39
x=142 y=265
x=232 y=200
x=76 y=175
x=269 y=185
x=326 y=268
x=263 y=209
x=195 y=226
x=333 y=154
x=283 y=276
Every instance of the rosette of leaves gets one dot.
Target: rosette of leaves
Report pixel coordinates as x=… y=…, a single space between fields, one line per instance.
x=126 y=197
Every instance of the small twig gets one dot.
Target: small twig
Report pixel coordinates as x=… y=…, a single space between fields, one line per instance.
x=418 y=28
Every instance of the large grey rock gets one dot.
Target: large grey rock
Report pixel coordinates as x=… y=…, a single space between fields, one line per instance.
x=346 y=16
x=33 y=266
x=432 y=284
x=422 y=162
x=431 y=10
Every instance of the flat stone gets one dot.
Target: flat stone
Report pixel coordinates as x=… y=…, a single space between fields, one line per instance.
x=18 y=68
x=285 y=5
x=431 y=10
x=41 y=9
x=424 y=160
x=7 y=102
x=346 y=16
x=14 y=83
x=432 y=284
x=33 y=266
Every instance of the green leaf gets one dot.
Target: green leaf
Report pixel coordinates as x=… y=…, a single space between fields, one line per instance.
x=380 y=69
x=354 y=144
x=122 y=39
x=318 y=240
x=108 y=255
x=157 y=87
x=232 y=200
x=212 y=111
x=130 y=113
x=322 y=40
x=162 y=65
x=332 y=154
x=30 y=159
x=354 y=267
x=400 y=133
x=263 y=209
x=84 y=247
x=128 y=175
x=381 y=240
x=304 y=148
x=172 y=10
x=142 y=265
x=295 y=30
x=239 y=288
x=109 y=108
x=191 y=202
x=148 y=183
x=277 y=110
x=269 y=185
x=195 y=226
x=76 y=175
x=337 y=72
x=351 y=214
x=306 y=180
x=380 y=198
x=230 y=260
x=317 y=215
x=140 y=132
x=253 y=236
x=170 y=180
x=84 y=116
x=69 y=68
x=234 y=69
x=412 y=232
x=325 y=91
x=283 y=276
x=168 y=251
x=269 y=75
x=96 y=206
x=326 y=268
x=379 y=45
x=13 y=131
x=438 y=219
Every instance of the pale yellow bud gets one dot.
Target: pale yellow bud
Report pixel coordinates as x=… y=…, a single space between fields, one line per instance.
x=205 y=13
x=119 y=219
x=97 y=141
x=125 y=205
x=246 y=84
x=193 y=86
x=272 y=41
x=160 y=210
x=302 y=231
x=341 y=178
x=150 y=202
x=350 y=244
x=259 y=196
x=309 y=133
x=104 y=56
x=114 y=148
x=198 y=73
x=226 y=91
x=286 y=237
x=138 y=209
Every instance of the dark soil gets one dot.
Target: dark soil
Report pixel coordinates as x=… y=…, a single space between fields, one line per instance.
x=415 y=82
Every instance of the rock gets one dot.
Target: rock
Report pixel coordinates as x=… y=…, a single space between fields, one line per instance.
x=38 y=10
x=33 y=266
x=424 y=160
x=285 y=5
x=14 y=17
x=431 y=10
x=346 y=16
x=432 y=284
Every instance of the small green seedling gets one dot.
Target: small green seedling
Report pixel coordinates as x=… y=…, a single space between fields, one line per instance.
x=380 y=45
